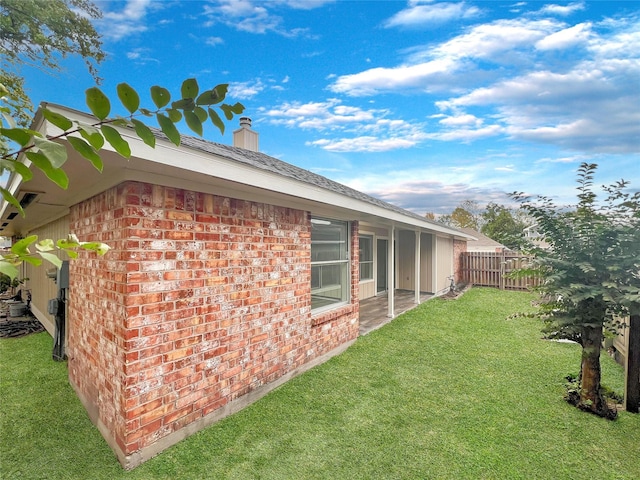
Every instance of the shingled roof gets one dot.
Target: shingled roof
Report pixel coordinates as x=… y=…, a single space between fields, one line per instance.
x=273 y=165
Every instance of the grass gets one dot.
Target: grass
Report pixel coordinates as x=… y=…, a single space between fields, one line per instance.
x=449 y=390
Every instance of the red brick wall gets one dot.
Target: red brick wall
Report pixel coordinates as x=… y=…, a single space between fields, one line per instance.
x=201 y=300
x=459 y=246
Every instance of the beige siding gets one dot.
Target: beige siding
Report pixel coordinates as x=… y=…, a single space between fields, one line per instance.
x=444 y=262
x=405 y=259
x=43 y=288
x=367 y=289
x=426 y=259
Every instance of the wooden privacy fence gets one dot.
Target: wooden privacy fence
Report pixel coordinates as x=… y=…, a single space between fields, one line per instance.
x=491 y=269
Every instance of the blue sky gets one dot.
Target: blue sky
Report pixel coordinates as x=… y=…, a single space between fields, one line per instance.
x=423 y=104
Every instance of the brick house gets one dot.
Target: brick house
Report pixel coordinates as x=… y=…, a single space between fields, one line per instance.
x=230 y=272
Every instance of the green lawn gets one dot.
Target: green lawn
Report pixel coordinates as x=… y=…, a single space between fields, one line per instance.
x=450 y=390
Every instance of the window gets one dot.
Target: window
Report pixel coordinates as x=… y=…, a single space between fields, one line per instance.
x=329 y=262
x=366 y=257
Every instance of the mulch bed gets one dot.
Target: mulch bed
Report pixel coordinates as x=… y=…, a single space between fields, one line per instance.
x=13 y=327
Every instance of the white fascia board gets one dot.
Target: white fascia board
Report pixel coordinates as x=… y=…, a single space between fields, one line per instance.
x=209 y=164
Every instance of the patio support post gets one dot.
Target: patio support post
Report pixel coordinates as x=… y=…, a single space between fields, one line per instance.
x=417 y=268
x=391 y=273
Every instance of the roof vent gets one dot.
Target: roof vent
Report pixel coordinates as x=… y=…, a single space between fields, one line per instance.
x=244 y=137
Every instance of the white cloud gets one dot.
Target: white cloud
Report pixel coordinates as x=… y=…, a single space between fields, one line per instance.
x=245 y=90
x=491 y=40
x=418 y=13
x=116 y=25
x=433 y=68
x=563 y=10
x=592 y=107
x=356 y=129
x=213 y=41
x=141 y=56
x=504 y=79
x=405 y=77
x=461 y=120
x=363 y=144
x=257 y=17
x=565 y=38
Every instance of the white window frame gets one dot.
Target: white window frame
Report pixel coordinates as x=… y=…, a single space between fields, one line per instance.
x=371 y=262
x=325 y=303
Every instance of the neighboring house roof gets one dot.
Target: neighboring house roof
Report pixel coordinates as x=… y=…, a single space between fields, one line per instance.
x=200 y=165
x=482 y=243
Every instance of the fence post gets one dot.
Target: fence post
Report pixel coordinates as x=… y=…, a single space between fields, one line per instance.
x=632 y=377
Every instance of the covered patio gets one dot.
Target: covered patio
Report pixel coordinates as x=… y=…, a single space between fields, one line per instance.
x=374 y=311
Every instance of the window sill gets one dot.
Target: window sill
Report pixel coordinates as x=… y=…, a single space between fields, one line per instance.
x=330 y=315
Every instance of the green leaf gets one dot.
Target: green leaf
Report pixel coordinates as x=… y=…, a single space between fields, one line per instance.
x=55 y=152
x=237 y=108
x=45 y=245
x=8 y=269
x=51 y=258
x=15 y=166
x=213 y=96
x=190 y=88
x=71 y=253
x=146 y=112
x=23 y=170
x=60 y=121
x=97 y=247
x=228 y=113
x=193 y=122
x=114 y=138
x=184 y=104
x=144 y=133
x=32 y=260
x=18 y=135
x=98 y=102
x=201 y=113
x=87 y=151
x=68 y=243
x=174 y=115
x=56 y=175
x=21 y=247
x=129 y=97
x=169 y=129
x=9 y=198
x=160 y=96
x=216 y=120
x=92 y=135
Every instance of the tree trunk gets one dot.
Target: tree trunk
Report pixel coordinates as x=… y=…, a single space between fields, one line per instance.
x=591 y=398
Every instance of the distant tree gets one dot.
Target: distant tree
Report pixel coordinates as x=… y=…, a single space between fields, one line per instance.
x=591 y=273
x=39 y=33
x=465 y=215
x=430 y=216
x=501 y=225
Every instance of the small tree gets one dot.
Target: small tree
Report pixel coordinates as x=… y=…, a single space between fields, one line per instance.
x=48 y=155
x=590 y=273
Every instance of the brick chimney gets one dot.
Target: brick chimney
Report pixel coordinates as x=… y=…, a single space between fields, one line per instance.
x=244 y=137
